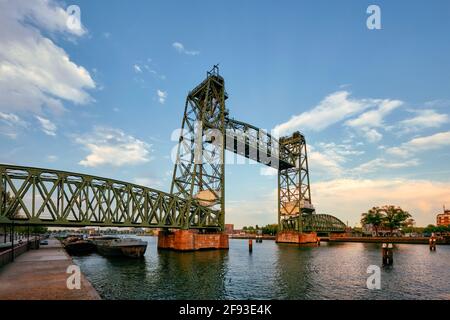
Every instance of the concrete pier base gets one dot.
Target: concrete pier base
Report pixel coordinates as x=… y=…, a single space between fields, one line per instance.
x=189 y=240
x=296 y=237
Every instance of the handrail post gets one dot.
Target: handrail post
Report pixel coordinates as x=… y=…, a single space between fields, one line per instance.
x=12 y=241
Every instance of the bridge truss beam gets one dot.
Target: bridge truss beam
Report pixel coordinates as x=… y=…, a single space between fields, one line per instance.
x=197 y=194
x=48 y=197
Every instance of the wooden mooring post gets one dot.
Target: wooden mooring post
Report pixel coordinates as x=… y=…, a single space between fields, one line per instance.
x=388 y=254
x=250 y=245
x=432 y=242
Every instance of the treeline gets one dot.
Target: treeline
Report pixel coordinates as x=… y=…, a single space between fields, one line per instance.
x=270 y=229
x=436 y=229
x=391 y=217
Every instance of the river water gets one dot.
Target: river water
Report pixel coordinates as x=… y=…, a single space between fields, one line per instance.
x=271 y=271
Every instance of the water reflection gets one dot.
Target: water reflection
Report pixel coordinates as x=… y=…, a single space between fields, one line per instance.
x=272 y=271
x=191 y=275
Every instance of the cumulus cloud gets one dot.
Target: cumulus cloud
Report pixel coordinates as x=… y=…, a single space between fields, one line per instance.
x=162 y=96
x=328 y=159
x=420 y=144
x=334 y=108
x=367 y=122
x=181 y=49
x=108 y=146
x=48 y=127
x=339 y=106
x=427 y=118
x=35 y=72
x=321 y=164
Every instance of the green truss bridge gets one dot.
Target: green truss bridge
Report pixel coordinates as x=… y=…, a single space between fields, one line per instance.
x=35 y=196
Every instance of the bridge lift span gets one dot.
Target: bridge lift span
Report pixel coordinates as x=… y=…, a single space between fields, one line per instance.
x=196 y=201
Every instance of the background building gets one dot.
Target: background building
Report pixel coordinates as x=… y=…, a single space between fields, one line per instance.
x=443 y=219
x=229 y=228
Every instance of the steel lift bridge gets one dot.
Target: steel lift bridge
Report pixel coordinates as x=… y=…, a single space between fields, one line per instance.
x=35 y=196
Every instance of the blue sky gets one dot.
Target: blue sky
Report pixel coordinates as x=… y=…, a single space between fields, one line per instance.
x=105 y=98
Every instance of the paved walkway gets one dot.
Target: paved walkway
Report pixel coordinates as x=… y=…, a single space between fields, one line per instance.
x=41 y=275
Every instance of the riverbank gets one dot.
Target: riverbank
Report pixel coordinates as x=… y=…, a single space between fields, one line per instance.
x=42 y=275
x=251 y=236
x=406 y=240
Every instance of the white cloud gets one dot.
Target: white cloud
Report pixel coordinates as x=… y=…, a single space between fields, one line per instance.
x=372 y=135
x=420 y=144
x=137 y=68
x=141 y=67
x=11 y=125
x=181 y=49
x=321 y=164
x=374 y=118
x=148 y=182
x=368 y=121
x=162 y=96
x=109 y=146
x=328 y=159
x=334 y=108
x=35 y=72
x=268 y=171
x=348 y=198
x=12 y=119
x=339 y=106
x=381 y=163
x=427 y=118
x=48 y=127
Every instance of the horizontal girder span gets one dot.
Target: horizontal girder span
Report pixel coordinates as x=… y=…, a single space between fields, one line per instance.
x=256 y=144
x=50 y=197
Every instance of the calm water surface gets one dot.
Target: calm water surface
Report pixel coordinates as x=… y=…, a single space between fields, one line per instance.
x=272 y=271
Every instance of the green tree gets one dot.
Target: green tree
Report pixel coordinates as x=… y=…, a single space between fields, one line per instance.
x=394 y=217
x=270 y=229
x=429 y=229
x=374 y=217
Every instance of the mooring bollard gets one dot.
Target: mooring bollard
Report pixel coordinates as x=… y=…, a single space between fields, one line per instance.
x=432 y=244
x=250 y=245
x=388 y=254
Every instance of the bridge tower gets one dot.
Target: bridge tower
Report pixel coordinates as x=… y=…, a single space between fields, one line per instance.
x=294 y=193
x=199 y=171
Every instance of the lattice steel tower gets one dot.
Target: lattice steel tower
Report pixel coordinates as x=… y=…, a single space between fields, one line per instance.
x=199 y=173
x=294 y=194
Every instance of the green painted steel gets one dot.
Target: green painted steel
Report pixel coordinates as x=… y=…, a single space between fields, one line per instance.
x=49 y=197
x=322 y=223
x=197 y=196
x=199 y=172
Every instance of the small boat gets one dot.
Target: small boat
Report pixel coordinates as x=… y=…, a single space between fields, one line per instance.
x=78 y=246
x=115 y=246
